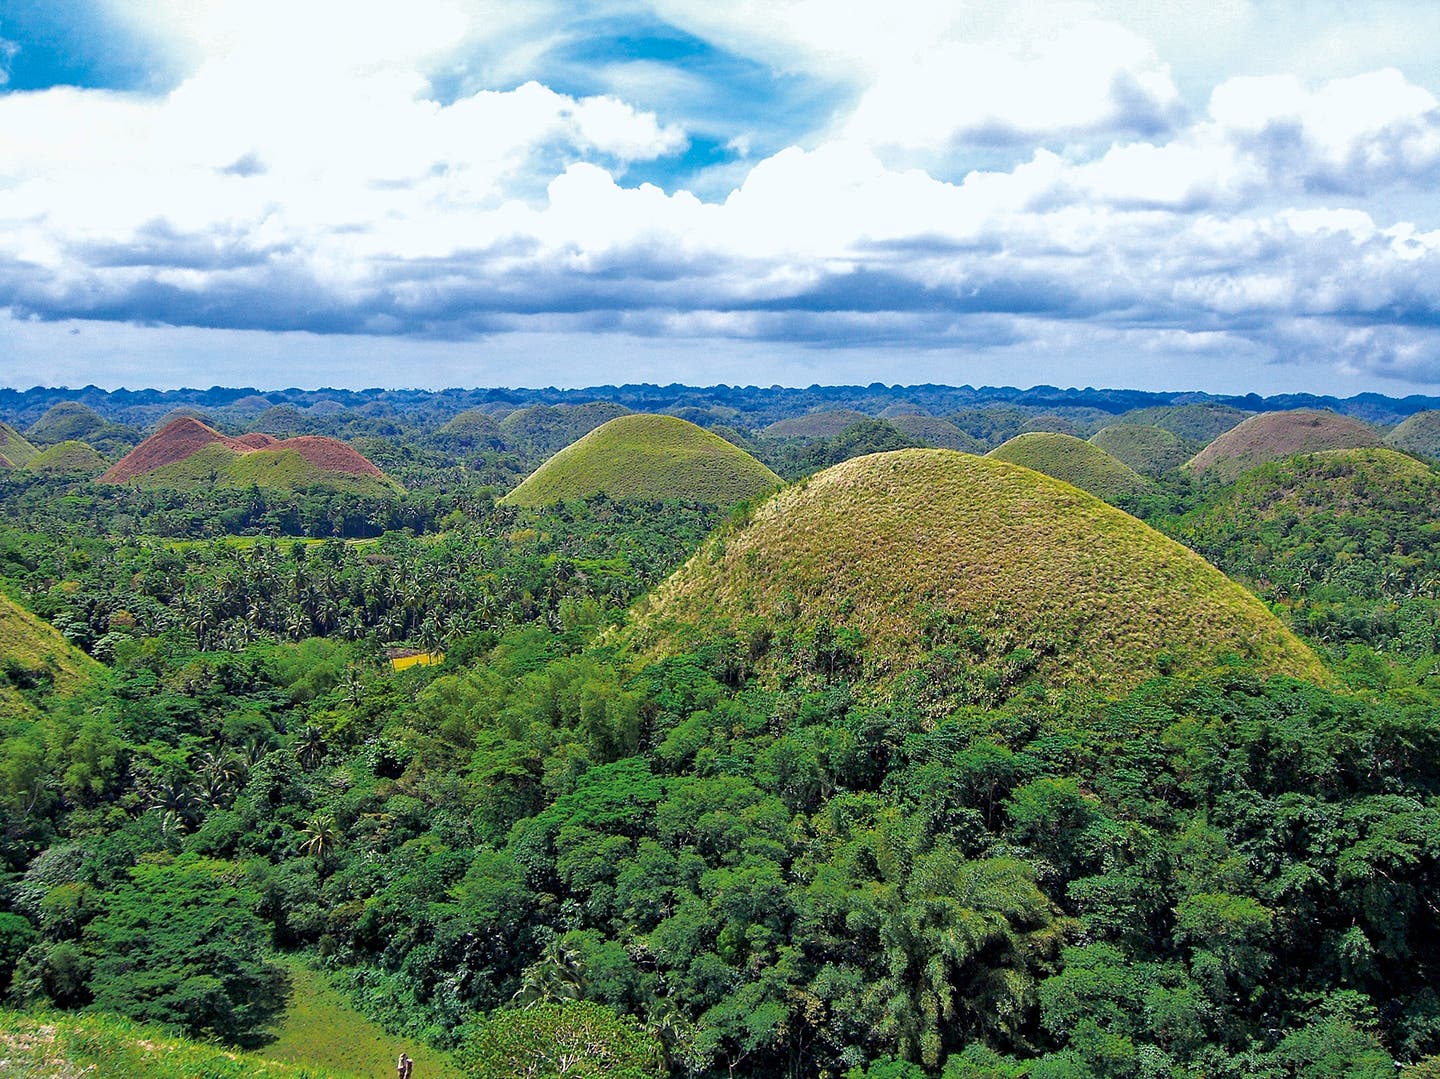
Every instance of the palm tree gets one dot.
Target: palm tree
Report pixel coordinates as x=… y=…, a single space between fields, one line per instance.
x=310 y=748
x=559 y=974
x=322 y=835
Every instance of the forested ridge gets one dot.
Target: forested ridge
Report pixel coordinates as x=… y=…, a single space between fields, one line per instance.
x=741 y=854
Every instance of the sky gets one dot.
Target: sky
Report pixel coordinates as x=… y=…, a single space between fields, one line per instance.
x=1232 y=196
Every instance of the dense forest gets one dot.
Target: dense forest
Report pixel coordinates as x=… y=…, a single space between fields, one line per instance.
x=753 y=849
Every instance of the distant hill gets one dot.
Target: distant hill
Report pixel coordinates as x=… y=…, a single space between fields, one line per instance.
x=816 y=424
x=1149 y=450
x=16 y=450
x=1014 y=575
x=933 y=431
x=472 y=428
x=34 y=656
x=1194 y=422
x=651 y=457
x=1271 y=435
x=1073 y=460
x=1420 y=435
x=1050 y=423
x=67 y=420
x=68 y=456
x=187 y=454
x=541 y=430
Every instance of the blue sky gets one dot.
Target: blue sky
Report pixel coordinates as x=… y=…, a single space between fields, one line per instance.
x=1234 y=196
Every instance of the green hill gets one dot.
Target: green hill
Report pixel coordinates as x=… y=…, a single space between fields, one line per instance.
x=67 y=420
x=936 y=432
x=72 y=1046
x=217 y=465
x=68 y=456
x=1149 y=450
x=1420 y=435
x=471 y=428
x=34 y=656
x=971 y=568
x=1272 y=435
x=1194 y=422
x=1348 y=541
x=1073 y=460
x=15 y=448
x=540 y=430
x=816 y=424
x=652 y=457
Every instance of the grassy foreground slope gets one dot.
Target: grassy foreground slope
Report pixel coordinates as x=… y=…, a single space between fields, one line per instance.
x=896 y=547
x=71 y=1046
x=652 y=457
x=1073 y=460
x=33 y=655
x=1272 y=435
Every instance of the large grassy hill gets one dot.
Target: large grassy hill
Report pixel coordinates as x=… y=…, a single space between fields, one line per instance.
x=1272 y=435
x=925 y=553
x=1149 y=450
x=1420 y=435
x=68 y=419
x=68 y=456
x=651 y=457
x=1073 y=460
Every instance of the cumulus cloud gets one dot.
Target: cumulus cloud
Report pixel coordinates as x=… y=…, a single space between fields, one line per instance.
x=319 y=184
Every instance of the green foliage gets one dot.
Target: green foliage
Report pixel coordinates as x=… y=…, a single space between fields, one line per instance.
x=179 y=945
x=576 y=1039
x=68 y=456
x=1149 y=450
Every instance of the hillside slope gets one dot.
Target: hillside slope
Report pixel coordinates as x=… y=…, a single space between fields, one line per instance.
x=1027 y=575
x=1272 y=435
x=1149 y=450
x=1420 y=435
x=651 y=457
x=15 y=449
x=34 y=656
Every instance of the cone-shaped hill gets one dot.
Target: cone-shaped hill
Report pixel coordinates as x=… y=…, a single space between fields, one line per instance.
x=650 y=457
x=815 y=424
x=1272 y=435
x=933 y=431
x=1194 y=422
x=68 y=456
x=958 y=564
x=15 y=449
x=472 y=428
x=186 y=454
x=1149 y=450
x=1420 y=435
x=67 y=420
x=1073 y=460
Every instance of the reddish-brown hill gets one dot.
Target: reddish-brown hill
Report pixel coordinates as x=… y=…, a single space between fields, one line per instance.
x=176 y=441
x=180 y=438
x=329 y=454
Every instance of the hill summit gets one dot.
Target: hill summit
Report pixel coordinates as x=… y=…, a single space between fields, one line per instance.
x=965 y=568
x=186 y=453
x=1272 y=435
x=651 y=457
x=1073 y=460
